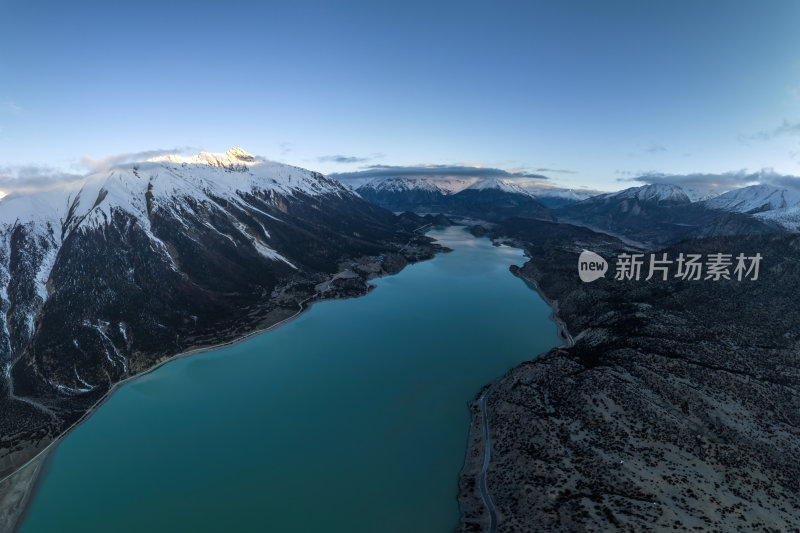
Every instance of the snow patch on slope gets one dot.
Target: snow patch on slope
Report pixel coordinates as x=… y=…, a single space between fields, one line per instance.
x=441 y=185
x=498 y=184
x=260 y=247
x=767 y=202
x=755 y=199
x=789 y=217
x=537 y=189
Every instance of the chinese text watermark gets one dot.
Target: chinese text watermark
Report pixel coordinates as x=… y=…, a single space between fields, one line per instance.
x=692 y=267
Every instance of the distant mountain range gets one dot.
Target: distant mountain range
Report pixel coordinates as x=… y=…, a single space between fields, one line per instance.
x=485 y=198
x=660 y=214
x=655 y=213
x=488 y=199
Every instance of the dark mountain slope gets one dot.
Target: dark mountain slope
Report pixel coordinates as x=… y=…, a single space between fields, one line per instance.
x=659 y=215
x=676 y=408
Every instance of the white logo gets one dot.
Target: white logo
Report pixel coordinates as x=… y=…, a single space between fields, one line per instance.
x=591 y=266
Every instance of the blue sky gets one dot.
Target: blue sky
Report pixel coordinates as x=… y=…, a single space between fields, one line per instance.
x=605 y=90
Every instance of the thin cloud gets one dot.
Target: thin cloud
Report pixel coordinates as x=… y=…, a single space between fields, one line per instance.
x=24 y=179
x=32 y=178
x=109 y=161
x=655 y=148
x=285 y=148
x=719 y=183
x=11 y=108
x=433 y=171
x=343 y=159
x=786 y=128
x=557 y=170
x=788 y=182
x=650 y=149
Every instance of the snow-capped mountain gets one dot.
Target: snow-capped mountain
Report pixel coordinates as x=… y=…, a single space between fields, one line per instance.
x=405 y=194
x=485 y=198
x=767 y=202
x=102 y=279
x=657 y=193
x=136 y=188
x=659 y=214
x=556 y=197
x=755 y=199
x=552 y=196
x=444 y=185
x=498 y=184
x=34 y=227
x=701 y=194
x=426 y=193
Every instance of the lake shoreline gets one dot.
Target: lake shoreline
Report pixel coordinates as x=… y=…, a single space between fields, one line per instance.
x=14 y=520
x=477 y=457
x=45 y=454
x=21 y=486
x=563 y=332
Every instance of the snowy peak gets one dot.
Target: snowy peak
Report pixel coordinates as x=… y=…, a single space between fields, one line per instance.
x=239 y=154
x=701 y=194
x=655 y=193
x=442 y=185
x=230 y=159
x=485 y=198
x=767 y=202
x=497 y=184
x=755 y=199
x=166 y=180
x=403 y=184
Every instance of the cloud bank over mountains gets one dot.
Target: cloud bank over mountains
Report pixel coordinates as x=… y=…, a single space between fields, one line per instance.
x=433 y=171
x=32 y=178
x=719 y=183
x=23 y=179
x=109 y=161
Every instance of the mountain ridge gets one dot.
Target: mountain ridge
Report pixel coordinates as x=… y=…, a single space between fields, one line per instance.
x=764 y=201
x=487 y=198
x=659 y=214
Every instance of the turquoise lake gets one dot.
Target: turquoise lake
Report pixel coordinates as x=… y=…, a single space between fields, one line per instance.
x=351 y=418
